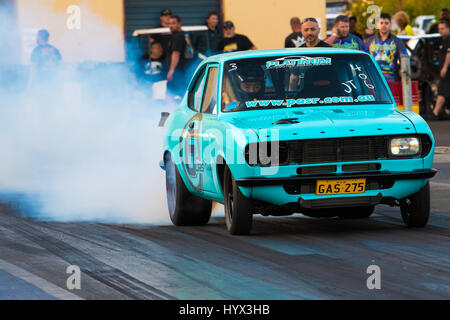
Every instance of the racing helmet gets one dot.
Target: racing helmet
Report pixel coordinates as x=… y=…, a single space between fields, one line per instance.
x=248 y=81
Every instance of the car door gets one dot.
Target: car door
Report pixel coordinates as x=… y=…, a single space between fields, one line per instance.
x=190 y=141
x=209 y=129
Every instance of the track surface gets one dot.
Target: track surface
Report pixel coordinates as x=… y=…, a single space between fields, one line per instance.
x=284 y=258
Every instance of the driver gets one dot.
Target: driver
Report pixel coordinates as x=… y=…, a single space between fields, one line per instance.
x=251 y=84
x=251 y=81
x=243 y=83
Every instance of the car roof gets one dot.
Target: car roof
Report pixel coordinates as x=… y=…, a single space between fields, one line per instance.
x=277 y=52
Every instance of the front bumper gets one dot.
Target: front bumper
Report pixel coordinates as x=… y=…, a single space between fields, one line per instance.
x=390 y=185
x=410 y=175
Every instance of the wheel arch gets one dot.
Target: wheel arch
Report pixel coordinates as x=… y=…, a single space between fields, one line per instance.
x=221 y=164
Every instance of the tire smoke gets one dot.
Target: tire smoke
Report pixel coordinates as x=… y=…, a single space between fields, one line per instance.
x=85 y=148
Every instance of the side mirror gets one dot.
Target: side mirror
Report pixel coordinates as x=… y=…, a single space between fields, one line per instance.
x=162 y=121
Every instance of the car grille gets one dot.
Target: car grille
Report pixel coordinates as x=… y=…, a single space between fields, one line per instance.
x=334 y=150
x=319 y=151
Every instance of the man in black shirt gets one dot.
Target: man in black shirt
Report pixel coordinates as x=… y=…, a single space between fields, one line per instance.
x=208 y=42
x=295 y=39
x=233 y=41
x=176 y=55
x=444 y=82
x=310 y=31
x=163 y=38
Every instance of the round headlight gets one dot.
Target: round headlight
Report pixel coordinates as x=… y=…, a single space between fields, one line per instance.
x=407 y=146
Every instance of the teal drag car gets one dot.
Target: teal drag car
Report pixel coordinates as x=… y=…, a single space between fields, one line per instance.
x=277 y=132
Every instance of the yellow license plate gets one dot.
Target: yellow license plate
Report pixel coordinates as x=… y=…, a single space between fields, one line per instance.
x=341 y=186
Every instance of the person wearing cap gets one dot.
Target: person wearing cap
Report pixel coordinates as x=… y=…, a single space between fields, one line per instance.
x=310 y=31
x=163 y=38
x=233 y=41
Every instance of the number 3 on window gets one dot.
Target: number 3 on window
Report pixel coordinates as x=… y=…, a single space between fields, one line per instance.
x=233 y=67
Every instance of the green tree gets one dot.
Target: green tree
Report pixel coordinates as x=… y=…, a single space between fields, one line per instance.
x=358 y=8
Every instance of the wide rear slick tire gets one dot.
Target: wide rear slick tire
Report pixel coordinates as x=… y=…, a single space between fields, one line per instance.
x=184 y=208
x=355 y=212
x=415 y=209
x=238 y=215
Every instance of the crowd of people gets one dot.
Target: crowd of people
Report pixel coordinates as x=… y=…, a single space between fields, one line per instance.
x=384 y=46
x=171 y=55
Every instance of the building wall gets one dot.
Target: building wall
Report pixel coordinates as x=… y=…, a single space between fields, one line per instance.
x=266 y=22
x=99 y=38
x=101 y=33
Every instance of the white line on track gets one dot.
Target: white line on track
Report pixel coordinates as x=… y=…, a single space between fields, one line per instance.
x=442 y=150
x=440 y=184
x=42 y=284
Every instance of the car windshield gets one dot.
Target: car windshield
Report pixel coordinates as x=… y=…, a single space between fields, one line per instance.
x=301 y=81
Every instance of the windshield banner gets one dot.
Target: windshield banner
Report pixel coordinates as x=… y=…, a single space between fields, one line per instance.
x=307 y=101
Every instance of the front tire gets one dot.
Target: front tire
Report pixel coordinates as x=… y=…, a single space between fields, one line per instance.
x=416 y=208
x=238 y=215
x=184 y=208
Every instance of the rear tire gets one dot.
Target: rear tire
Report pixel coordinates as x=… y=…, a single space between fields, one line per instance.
x=238 y=215
x=416 y=208
x=184 y=208
x=355 y=212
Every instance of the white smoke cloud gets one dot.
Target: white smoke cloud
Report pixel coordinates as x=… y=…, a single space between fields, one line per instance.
x=86 y=149
x=88 y=161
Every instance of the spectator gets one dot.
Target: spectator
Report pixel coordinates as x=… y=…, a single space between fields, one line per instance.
x=444 y=81
x=310 y=32
x=444 y=15
x=341 y=36
x=208 y=42
x=386 y=48
x=45 y=59
x=233 y=41
x=295 y=39
x=177 y=57
x=153 y=67
x=367 y=34
x=401 y=18
x=353 y=20
x=163 y=38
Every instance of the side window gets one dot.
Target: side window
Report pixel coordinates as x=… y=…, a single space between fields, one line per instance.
x=209 y=104
x=195 y=94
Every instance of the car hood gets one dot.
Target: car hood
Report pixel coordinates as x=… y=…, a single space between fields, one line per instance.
x=324 y=123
